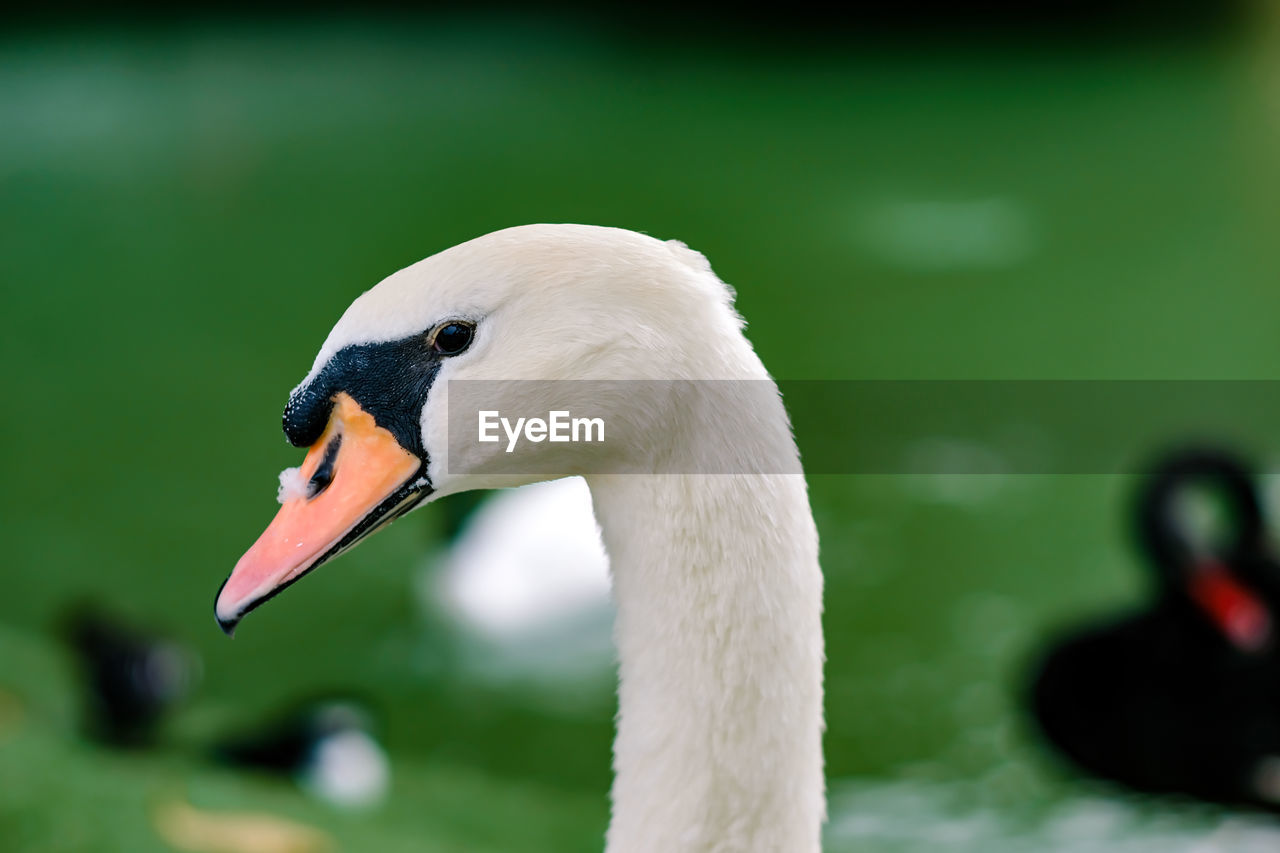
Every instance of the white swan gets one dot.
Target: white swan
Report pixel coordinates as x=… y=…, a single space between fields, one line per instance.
x=715 y=571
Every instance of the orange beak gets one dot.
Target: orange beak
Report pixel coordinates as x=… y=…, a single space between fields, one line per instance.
x=357 y=479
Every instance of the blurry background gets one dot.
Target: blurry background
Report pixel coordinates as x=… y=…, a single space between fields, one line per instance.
x=188 y=203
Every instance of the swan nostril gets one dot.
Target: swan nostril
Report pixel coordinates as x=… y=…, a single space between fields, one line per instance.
x=323 y=475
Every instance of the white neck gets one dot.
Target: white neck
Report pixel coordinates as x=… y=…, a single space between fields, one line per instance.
x=719 y=598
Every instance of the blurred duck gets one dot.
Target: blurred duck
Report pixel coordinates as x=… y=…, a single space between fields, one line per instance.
x=327 y=746
x=715 y=578
x=1183 y=696
x=131 y=679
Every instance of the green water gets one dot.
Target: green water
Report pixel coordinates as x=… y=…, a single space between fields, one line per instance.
x=185 y=212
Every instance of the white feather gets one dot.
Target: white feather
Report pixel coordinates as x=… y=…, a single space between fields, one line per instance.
x=292 y=485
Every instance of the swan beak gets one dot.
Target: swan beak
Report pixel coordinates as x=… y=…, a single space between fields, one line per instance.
x=354 y=479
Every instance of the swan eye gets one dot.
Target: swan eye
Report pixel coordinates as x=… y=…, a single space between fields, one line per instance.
x=452 y=338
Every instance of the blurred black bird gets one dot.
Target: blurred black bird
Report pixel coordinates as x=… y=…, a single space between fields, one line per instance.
x=1183 y=696
x=131 y=678
x=327 y=746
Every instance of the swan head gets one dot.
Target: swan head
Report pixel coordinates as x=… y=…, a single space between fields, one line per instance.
x=539 y=302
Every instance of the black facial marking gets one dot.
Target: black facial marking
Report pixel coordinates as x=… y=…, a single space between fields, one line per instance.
x=389 y=380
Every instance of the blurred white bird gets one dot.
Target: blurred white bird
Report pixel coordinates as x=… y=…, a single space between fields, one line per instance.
x=527 y=577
